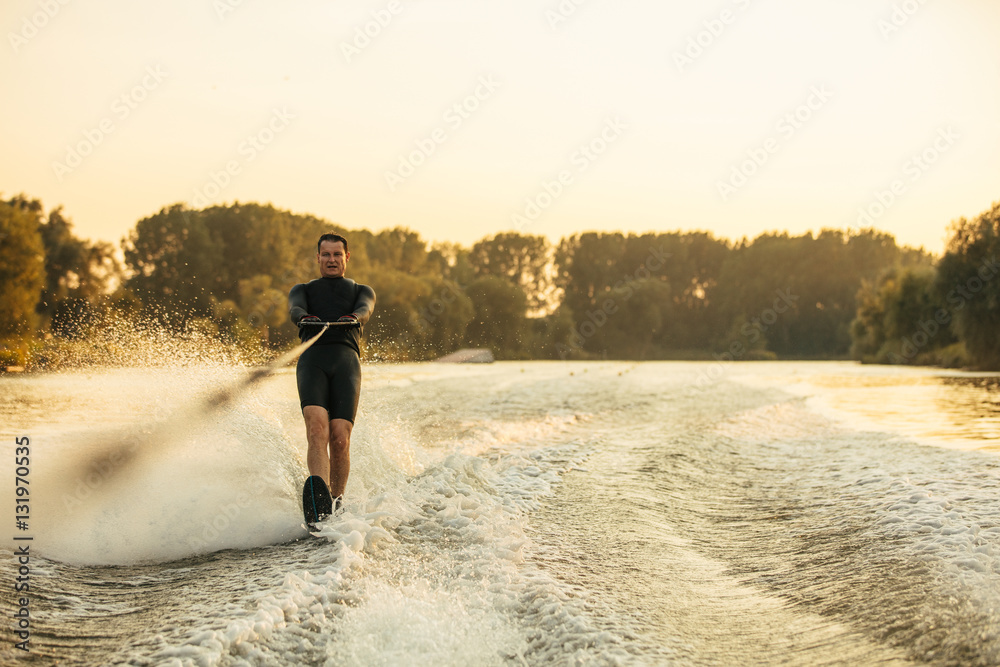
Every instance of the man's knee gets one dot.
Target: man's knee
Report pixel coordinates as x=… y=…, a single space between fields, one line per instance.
x=340 y=435
x=317 y=429
x=339 y=446
x=315 y=415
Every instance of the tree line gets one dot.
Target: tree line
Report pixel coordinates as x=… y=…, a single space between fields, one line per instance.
x=225 y=272
x=945 y=313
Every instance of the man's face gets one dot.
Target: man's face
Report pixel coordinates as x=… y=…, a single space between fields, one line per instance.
x=332 y=259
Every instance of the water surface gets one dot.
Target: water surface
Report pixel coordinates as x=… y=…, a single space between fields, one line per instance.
x=517 y=513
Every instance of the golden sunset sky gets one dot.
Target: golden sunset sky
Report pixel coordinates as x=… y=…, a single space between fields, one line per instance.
x=464 y=118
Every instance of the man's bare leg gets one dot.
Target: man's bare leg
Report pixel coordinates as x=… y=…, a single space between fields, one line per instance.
x=340 y=455
x=317 y=436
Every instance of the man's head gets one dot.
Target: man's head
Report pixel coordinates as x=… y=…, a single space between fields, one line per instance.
x=331 y=237
x=332 y=255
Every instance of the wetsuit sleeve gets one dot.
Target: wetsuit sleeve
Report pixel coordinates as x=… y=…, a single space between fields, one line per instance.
x=364 y=304
x=297 y=305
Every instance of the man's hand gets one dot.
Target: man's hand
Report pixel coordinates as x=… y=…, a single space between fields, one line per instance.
x=309 y=318
x=352 y=318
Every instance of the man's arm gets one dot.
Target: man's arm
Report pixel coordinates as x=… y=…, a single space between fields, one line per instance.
x=297 y=306
x=364 y=304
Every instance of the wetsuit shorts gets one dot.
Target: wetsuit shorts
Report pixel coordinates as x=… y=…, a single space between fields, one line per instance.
x=330 y=376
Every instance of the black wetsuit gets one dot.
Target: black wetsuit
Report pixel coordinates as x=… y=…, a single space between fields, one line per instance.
x=329 y=373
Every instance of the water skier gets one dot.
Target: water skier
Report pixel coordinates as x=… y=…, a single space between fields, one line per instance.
x=328 y=374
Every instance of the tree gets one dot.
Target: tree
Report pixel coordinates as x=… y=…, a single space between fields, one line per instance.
x=640 y=320
x=499 y=321
x=969 y=284
x=78 y=274
x=452 y=262
x=671 y=277
x=585 y=268
x=522 y=260
x=690 y=265
x=900 y=318
x=182 y=259
x=22 y=277
x=399 y=249
x=800 y=292
x=176 y=263
x=443 y=317
x=22 y=263
x=394 y=327
x=261 y=306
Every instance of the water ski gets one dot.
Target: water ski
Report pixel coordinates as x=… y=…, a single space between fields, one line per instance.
x=316 y=501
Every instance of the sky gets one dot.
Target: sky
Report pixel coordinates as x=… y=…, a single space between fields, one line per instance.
x=461 y=119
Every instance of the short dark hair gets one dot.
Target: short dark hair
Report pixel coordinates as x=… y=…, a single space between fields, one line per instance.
x=333 y=238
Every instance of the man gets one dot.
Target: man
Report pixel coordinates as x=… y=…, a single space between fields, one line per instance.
x=328 y=374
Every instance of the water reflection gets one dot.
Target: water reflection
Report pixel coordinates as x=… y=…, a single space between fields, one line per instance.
x=944 y=409
x=975 y=401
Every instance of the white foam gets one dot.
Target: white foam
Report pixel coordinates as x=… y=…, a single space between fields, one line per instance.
x=420 y=624
x=430 y=572
x=916 y=505
x=230 y=484
x=787 y=420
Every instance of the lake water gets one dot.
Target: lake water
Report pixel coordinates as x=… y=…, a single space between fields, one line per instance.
x=531 y=513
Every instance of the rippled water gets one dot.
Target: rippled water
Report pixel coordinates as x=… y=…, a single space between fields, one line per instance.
x=517 y=513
